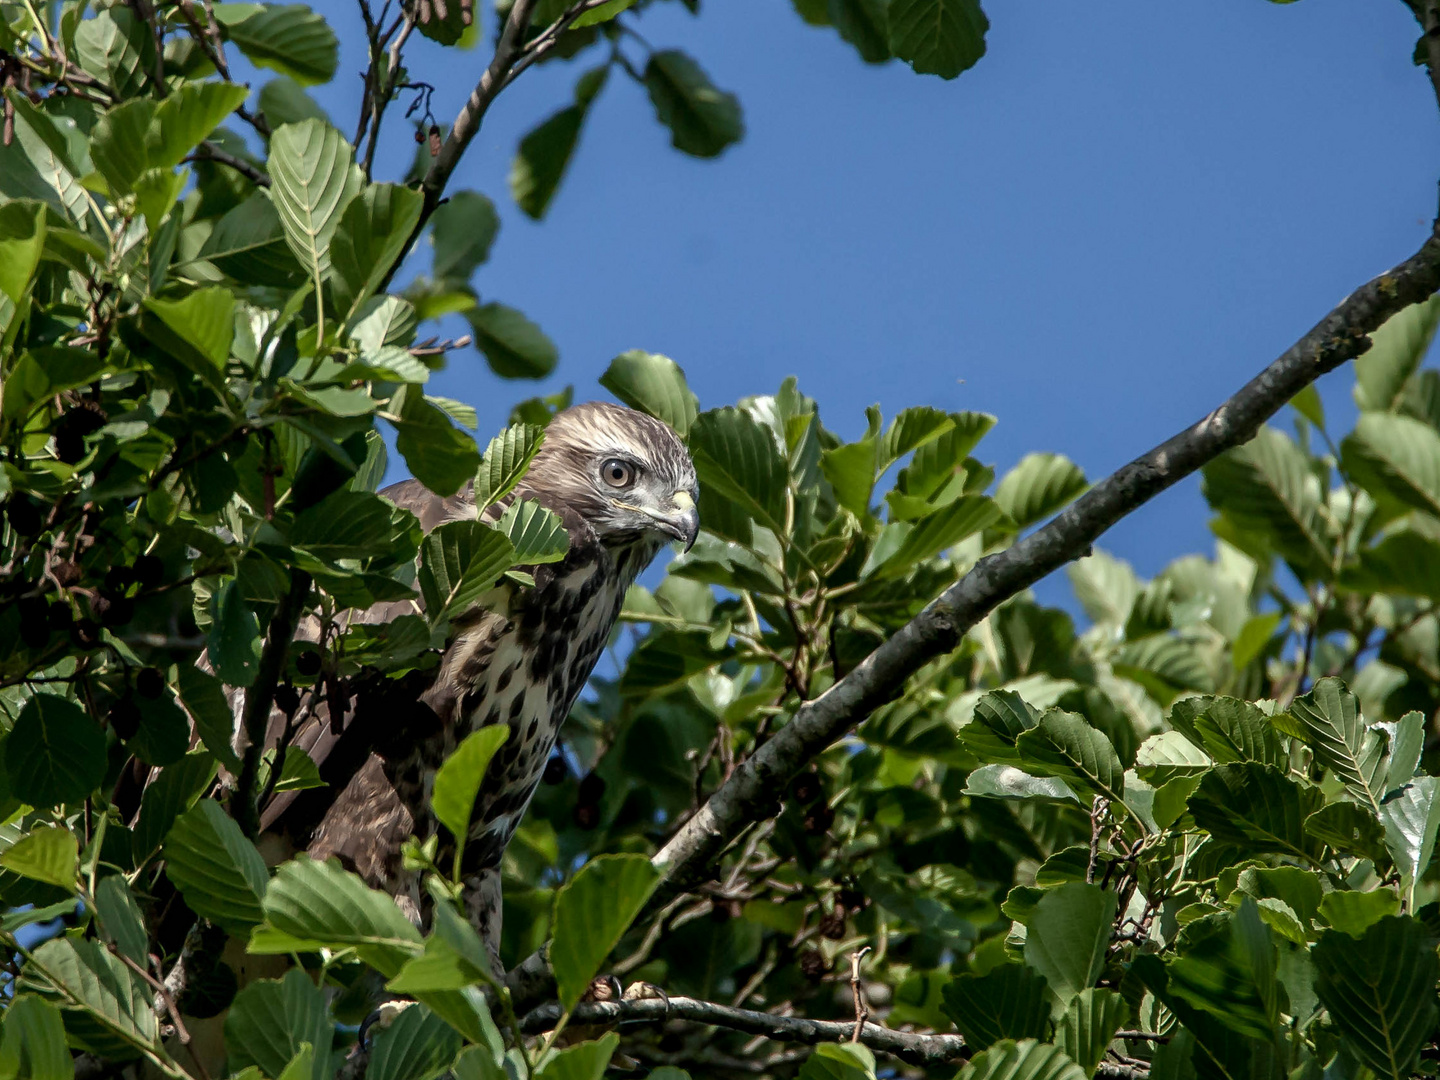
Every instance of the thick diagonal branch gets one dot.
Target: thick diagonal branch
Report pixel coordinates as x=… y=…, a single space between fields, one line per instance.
x=750 y=794
x=912 y=1048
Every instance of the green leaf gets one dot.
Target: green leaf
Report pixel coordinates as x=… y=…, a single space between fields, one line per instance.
x=1407 y=743
x=537 y=534
x=592 y=911
x=1164 y=757
x=156 y=192
x=116 y=48
x=938 y=37
x=738 y=460
x=864 y=24
x=938 y=466
x=285 y=101
x=441 y=456
x=164 y=733
x=1008 y=782
x=1257 y=808
x=702 y=120
x=1308 y=404
x=55 y=156
x=288 y=38
x=217 y=870
x=1001 y=717
x=505 y=461
x=96 y=988
x=1396 y=456
x=850 y=468
x=603 y=13
x=55 y=753
x=1038 y=486
x=47 y=854
x=653 y=384
x=459 y=562
x=1266 y=487
x=1063 y=745
x=513 y=345
x=373 y=231
x=461 y=231
x=1395 y=353
x=248 y=244
x=1411 y=817
x=937 y=532
x=1025 y=1060
x=167 y=797
x=457 y=782
x=545 y=151
x=440 y=967
x=33 y=1042
x=838 y=1061
x=1350 y=829
x=234 y=642
x=313 y=180
x=1007 y=1003
x=1105 y=586
x=186 y=117
x=1230 y=730
x=586 y=1061
x=1334 y=730
x=1228 y=970
x=201 y=325
x=1252 y=639
x=204 y=699
x=351 y=525
x=1068 y=933
x=120 y=918
x=417 y=1045
x=1381 y=994
x=310 y=905
x=1085 y=1030
x=22 y=240
x=271 y=1020
x=1354 y=913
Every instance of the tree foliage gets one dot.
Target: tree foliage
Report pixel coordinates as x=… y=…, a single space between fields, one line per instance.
x=1193 y=836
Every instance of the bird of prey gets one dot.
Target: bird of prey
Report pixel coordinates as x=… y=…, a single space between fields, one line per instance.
x=623 y=485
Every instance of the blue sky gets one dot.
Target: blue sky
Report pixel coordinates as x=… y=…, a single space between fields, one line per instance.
x=1105 y=227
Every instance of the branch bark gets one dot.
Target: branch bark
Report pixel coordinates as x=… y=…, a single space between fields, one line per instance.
x=260 y=698
x=912 y=1048
x=751 y=792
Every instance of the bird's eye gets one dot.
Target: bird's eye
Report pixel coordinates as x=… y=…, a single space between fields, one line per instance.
x=617 y=473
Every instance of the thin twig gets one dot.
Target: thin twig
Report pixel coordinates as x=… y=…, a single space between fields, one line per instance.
x=910 y=1047
x=862 y=1012
x=208 y=151
x=166 y=1000
x=1097 y=814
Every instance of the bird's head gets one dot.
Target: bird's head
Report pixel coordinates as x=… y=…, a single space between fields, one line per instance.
x=626 y=475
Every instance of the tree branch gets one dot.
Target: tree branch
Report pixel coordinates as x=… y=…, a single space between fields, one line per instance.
x=1429 y=15
x=751 y=792
x=208 y=151
x=260 y=698
x=914 y=1049
x=467 y=123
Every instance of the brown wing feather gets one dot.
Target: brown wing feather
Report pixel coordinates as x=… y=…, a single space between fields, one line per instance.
x=366 y=821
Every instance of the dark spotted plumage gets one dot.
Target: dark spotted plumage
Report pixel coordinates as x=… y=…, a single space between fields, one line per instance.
x=523 y=659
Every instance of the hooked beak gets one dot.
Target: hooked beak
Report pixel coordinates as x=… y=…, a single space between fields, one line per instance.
x=684 y=523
